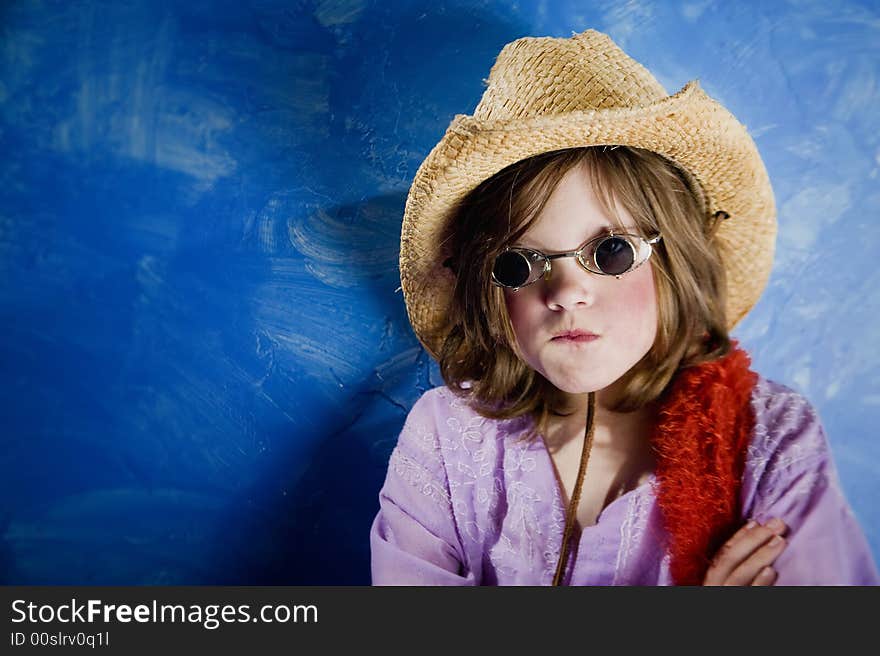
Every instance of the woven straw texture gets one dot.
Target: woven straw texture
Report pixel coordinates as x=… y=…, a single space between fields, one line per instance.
x=547 y=94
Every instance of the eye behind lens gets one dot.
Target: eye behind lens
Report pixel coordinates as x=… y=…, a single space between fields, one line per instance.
x=614 y=256
x=511 y=269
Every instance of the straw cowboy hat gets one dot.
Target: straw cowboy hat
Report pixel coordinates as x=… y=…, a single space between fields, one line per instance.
x=547 y=94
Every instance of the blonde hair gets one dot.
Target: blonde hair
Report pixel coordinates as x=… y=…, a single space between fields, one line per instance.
x=480 y=347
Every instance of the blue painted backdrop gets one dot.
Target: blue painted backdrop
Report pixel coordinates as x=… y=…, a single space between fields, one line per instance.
x=205 y=364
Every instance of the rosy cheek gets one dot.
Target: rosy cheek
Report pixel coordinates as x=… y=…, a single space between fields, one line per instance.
x=644 y=291
x=642 y=297
x=518 y=307
x=511 y=300
x=522 y=320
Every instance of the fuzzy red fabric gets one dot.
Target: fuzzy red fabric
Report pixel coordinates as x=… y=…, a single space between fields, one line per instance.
x=700 y=441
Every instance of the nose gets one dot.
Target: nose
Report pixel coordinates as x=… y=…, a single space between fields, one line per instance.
x=569 y=285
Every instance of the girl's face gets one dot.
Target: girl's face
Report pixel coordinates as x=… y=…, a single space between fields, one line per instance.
x=623 y=313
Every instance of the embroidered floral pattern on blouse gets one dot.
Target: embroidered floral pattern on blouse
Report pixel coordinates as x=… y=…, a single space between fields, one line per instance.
x=631 y=530
x=787 y=449
x=787 y=413
x=414 y=473
x=471 y=445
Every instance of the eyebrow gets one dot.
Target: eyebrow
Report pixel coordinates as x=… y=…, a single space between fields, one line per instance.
x=596 y=233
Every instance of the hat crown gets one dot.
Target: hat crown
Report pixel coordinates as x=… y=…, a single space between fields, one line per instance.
x=541 y=76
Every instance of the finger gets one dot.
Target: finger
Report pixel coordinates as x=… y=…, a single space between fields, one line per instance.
x=765 y=577
x=777 y=526
x=762 y=557
x=733 y=552
x=721 y=564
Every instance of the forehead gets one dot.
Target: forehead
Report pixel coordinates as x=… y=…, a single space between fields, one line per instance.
x=574 y=213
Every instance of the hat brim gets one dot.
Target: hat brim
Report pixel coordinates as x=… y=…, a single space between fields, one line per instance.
x=689 y=128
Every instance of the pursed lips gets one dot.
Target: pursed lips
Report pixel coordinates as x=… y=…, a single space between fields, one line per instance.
x=579 y=335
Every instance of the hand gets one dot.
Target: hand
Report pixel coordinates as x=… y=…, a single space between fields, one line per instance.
x=745 y=558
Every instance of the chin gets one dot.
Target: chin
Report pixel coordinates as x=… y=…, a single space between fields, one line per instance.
x=581 y=386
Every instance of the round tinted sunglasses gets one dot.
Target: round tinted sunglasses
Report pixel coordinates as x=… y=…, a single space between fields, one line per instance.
x=607 y=255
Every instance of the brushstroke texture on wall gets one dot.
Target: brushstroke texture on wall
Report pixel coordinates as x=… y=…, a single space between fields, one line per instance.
x=205 y=359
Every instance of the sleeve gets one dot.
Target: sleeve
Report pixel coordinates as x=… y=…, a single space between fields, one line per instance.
x=414 y=538
x=798 y=483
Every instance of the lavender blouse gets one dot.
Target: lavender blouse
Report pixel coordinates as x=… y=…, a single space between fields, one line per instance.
x=463 y=504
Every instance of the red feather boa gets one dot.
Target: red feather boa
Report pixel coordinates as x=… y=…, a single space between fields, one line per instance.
x=700 y=441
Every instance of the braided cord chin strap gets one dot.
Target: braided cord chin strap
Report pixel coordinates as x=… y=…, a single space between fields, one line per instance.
x=576 y=495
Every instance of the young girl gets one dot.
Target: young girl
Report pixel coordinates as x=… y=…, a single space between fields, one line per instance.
x=574 y=255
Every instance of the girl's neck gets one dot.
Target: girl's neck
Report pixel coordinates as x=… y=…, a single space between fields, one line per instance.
x=620 y=431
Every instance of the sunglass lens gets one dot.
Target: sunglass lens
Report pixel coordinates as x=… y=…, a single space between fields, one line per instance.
x=614 y=256
x=511 y=269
